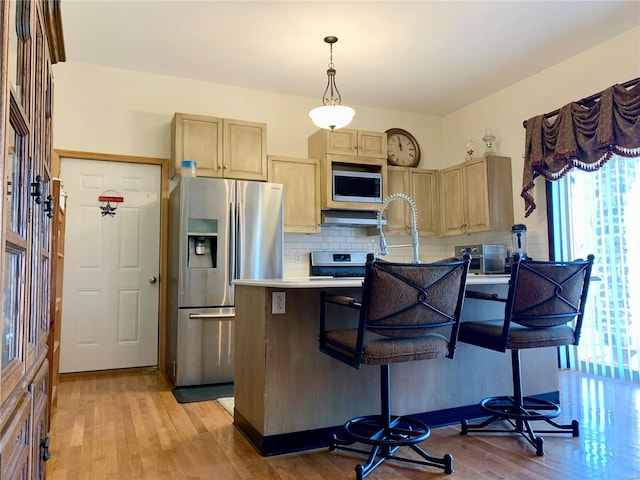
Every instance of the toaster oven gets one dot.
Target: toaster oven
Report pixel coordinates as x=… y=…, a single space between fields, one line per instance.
x=485 y=259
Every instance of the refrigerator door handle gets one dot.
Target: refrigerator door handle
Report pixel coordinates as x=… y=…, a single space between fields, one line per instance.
x=239 y=242
x=221 y=316
x=233 y=225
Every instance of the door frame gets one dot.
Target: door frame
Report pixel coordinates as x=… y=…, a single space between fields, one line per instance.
x=164 y=204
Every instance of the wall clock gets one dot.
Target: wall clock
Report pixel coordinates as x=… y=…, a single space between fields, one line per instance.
x=402 y=148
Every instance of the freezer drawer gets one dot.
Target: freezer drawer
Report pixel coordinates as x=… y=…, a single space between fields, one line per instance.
x=205 y=342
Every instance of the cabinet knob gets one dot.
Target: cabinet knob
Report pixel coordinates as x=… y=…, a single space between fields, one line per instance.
x=38 y=189
x=49 y=206
x=44 y=445
x=225 y=166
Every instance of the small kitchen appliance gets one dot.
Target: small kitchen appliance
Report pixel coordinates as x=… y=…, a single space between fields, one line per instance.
x=519 y=240
x=485 y=259
x=518 y=245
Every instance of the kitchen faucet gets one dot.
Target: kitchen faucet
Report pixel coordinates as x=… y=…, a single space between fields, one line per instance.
x=384 y=249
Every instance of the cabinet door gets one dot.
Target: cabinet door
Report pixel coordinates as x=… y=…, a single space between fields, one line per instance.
x=477 y=200
x=41 y=205
x=452 y=201
x=15 y=440
x=199 y=138
x=39 y=438
x=372 y=144
x=245 y=150
x=424 y=191
x=397 y=213
x=301 y=180
x=17 y=334
x=341 y=142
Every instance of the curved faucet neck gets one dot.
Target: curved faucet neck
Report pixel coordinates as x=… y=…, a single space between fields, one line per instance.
x=384 y=250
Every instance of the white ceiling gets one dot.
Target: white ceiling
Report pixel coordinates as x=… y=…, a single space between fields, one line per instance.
x=429 y=57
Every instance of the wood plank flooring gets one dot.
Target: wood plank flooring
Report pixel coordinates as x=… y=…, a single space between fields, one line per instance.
x=127 y=425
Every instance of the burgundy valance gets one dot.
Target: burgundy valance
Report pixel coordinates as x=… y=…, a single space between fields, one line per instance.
x=583 y=135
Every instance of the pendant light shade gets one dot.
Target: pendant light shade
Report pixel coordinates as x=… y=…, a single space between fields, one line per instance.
x=331 y=114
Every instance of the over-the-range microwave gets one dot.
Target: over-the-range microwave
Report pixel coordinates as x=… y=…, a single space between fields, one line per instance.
x=353 y=186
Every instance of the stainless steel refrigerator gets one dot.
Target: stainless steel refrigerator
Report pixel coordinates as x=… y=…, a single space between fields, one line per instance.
x=219 y=230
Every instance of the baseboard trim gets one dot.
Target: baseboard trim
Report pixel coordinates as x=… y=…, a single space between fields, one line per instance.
x=319 y=438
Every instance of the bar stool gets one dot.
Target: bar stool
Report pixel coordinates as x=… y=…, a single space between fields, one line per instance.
x=544 y=308
x=402 y=305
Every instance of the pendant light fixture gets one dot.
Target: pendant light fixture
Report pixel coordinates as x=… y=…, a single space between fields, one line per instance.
x=331 y=114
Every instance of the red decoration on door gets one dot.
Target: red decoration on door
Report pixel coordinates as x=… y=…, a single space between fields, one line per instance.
x=106 y=199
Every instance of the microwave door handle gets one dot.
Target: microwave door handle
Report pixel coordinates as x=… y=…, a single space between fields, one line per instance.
x=232 y=241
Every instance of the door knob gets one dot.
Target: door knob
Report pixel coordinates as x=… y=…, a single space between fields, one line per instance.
x=153 y=279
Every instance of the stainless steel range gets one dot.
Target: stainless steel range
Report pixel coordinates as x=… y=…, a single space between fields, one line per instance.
x=338 y=264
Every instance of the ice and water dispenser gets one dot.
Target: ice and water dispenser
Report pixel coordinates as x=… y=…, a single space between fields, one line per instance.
x=202 y=243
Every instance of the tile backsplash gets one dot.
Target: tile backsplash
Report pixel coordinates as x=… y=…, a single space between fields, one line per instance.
x=298 y=245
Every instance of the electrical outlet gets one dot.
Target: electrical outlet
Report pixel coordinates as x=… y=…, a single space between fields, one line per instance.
x=278 y=300
x=298 y=258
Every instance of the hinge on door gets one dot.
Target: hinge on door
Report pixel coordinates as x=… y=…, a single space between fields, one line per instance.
x=174 y=370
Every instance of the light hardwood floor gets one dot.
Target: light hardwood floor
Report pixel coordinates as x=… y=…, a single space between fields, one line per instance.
x=127 y=425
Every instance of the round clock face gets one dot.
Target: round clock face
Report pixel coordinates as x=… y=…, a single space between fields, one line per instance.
x=402 y=148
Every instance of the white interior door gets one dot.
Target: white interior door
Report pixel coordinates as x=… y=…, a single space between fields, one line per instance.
x=110 y=292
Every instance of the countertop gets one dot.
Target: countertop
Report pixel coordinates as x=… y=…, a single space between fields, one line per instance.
x=351 y=282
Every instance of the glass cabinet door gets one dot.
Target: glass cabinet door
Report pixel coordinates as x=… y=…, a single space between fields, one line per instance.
x=17 y=152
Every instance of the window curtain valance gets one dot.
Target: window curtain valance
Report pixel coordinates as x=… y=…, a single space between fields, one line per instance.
x=583 y=134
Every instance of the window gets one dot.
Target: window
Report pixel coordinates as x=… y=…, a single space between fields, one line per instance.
x=597 y=212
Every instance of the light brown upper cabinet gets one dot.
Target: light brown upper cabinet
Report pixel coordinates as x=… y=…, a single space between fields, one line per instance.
x=301 y=180
x=354 y=143
x=422 y=186
x=352 y=150
x=476 y=196
x=221 y=147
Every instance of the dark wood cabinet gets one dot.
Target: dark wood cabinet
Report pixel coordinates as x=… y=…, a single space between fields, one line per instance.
x=31 y=43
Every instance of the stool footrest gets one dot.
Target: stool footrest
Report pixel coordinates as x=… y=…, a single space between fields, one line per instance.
x=386 y=438
x=519 y=417
x=400 y=431
x=530 y=409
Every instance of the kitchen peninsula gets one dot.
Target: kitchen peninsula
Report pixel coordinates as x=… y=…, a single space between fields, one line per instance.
x=289 y=396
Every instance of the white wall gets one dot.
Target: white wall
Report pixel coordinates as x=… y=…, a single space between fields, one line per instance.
x=107 y=110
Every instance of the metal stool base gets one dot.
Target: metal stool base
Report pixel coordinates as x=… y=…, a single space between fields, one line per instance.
x=386 y=440
x=519 y=417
